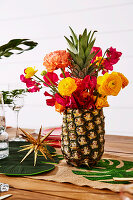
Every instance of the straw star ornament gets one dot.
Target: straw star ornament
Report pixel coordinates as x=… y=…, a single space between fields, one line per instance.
x=36 y=145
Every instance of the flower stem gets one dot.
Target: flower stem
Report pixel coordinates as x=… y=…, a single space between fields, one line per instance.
x=63 y=73
x=53 y=88
x=102 y=58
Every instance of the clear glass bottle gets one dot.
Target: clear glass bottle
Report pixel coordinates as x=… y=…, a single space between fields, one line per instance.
x=4 y=145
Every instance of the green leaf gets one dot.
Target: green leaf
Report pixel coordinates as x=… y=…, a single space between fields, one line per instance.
x=12 y=166
x=92 y=36
x=6 y=49
x=71 y=45
x=74 y=37
x=88 y=37
x=81 y=52
x=8 y=54
x=89 y=48
x=76 y=58
x=83 y=40
x=106 y=169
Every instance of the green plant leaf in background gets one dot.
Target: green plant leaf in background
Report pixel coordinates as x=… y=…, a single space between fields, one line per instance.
x=12 y=166
x=16 y=45
x=106 y=169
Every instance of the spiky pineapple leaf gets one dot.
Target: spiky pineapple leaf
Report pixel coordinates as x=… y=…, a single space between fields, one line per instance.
x=8 y=49
x=81 y=51
x=106 y=169
x=71 y=45
x=90 y=58
x=88 y=37
x=92 y=36
x=89 y=48
x=76 y=58
x=74 y=37
x=83 y=40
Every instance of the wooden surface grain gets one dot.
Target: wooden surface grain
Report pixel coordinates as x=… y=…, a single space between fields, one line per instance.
x=25 y=188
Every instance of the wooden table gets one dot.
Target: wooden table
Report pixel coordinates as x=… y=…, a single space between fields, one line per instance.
x=26 y=188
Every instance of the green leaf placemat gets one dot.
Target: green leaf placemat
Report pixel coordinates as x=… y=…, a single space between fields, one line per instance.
x=12 y=166
x=106 y=169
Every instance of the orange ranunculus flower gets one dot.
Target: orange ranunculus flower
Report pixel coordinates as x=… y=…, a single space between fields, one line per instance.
x=67 y=86
x=29 y=72
x=59 y=108
x=57 y=59
x=109 y=84
x=124 y=80
x=101 y=102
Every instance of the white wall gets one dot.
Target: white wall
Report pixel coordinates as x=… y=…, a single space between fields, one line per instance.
x=46 y=22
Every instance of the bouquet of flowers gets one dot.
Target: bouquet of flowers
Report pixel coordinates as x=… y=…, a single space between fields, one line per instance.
x=80 y=92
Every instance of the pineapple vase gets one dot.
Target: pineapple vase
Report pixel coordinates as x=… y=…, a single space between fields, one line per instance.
x=82 y=138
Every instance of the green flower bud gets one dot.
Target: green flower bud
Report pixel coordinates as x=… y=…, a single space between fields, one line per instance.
x=43 y=73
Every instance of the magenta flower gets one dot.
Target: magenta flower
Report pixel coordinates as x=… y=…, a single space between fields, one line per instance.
x=89 y=82
x=67 y=74
x=28 y=81
x=53 y=78
x=107 y=66
x=50 y=102
x=60 y=99
x=113 y=55
x=34 y=89
x=99 y=54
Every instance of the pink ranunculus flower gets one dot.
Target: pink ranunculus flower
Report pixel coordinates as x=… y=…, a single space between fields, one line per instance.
x=113 y=55
x=53 y=78
x=50 y=102
x=99 y=54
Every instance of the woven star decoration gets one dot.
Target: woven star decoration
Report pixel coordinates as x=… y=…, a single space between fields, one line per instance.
x=36 y=145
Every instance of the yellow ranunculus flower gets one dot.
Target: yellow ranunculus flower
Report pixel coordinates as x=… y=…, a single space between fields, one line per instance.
x=110 y=84
x=101 y=102
x=124 y=80
x=67 y=86
x=29 y=72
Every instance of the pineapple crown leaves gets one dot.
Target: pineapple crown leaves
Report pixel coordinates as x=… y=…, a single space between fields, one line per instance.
x=80 y=51
x=16 y=44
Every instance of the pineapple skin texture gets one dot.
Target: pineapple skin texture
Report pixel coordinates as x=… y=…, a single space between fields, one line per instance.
x=82 y=138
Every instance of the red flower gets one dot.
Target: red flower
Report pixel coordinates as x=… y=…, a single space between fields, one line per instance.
x=113 y=55
x=32 y=85
x=83 y=99
x=89 y=82
x=79 y=83
x=34 y=89
x=60 y=99
x=71 y=102
x=50 y=102
x=53 y=78
x=107 y=66
x=99 y=54
x=67 y=74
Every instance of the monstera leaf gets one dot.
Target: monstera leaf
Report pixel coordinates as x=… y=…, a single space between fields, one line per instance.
x=106 y=169
x=12 y=166
x=16 y=45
